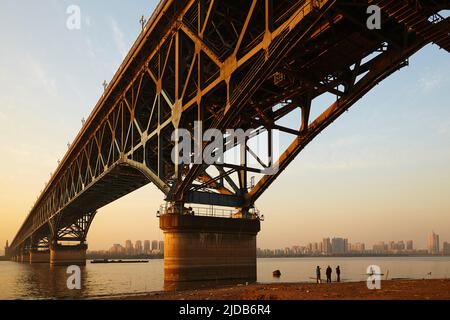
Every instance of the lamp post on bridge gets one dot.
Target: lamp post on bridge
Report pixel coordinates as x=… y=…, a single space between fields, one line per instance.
x=7 y=249
x=143 y=21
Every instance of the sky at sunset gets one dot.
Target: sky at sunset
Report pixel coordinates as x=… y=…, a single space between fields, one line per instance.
x=381 y=172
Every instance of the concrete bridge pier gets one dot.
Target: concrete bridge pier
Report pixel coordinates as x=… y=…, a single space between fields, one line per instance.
x=37 y=256
x=66 y=255
x=198 y=248
x=25 y=257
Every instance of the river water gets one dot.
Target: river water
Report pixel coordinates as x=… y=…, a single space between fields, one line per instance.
x=25 y=281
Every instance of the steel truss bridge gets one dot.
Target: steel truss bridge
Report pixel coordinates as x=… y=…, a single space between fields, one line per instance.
x=230 y=64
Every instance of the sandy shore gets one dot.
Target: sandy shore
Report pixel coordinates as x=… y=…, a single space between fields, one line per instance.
x=390 y=290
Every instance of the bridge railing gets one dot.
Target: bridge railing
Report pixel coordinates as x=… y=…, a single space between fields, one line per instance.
x=210 y=212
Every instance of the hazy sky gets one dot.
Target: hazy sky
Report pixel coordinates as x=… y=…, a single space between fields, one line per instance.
x=381 y=172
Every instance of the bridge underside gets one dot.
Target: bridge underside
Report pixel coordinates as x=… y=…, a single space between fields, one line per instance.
x=199 y=64
x=119 y=181
x=71 y=224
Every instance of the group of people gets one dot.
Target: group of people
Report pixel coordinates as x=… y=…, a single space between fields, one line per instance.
x=328 y=272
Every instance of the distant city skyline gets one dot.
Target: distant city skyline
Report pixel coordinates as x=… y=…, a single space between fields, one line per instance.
x=136 y=248
x=328 y=245
x=339 y=245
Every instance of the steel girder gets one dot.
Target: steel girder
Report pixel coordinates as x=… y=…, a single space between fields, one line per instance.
x=229 y=64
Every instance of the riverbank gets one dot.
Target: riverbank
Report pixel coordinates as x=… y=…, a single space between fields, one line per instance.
x=390 y=290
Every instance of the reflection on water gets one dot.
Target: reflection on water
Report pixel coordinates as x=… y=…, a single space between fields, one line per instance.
x=43 y=281
x=39 y=281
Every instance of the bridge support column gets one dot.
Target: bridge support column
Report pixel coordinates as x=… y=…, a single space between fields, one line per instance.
x=61 y=255
x=25 y=257
x=39 y=256
x=200 y=248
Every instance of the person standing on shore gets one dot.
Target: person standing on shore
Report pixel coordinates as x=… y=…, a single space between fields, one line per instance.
x=329 y=272
x=338 y=274
x=318 y=274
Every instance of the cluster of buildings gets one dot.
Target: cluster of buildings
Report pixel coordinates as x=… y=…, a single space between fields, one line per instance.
x=334 y=246
x=434 y=245
x=393 y=247
x=139 y=248
x=341 y=246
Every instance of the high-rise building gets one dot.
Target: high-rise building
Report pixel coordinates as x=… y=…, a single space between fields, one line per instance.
x=295 y=249
x=446 y=249
x=380 y=247
x=161 y=246
x=326 y=246
x=392 y=246
x=129 y=247
x=363 y=247
x=147 y=247
x=357 y=247
x=154 y=245
x=433 y=243
x=315 y=247
x=116 y=249
x=339 y=245
x=138 y=247
x=409 y=245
